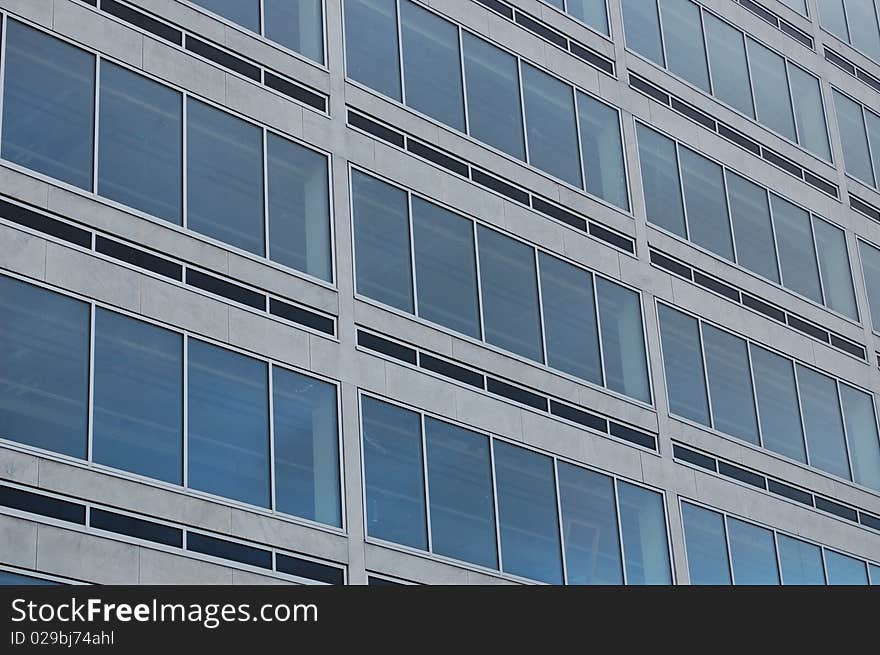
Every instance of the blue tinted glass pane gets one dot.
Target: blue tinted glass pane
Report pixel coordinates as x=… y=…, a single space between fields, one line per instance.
x=510 y=294
x=592 y=12
x=494 y=113
x=861 y=435
x=705 y=200
x=570 y=319
x=244 y=12
x=460 y=490
x=140 y=143
x=224 y=183
x=706 y=547
x=138 y=405
x=683 y=37
x=431 y=65
x=48 y=105
x=752 y=553
x=730 y=68
x=550 y=125
x=643 y=528
x=801 y=562
x=371 y=52
x=730 y=384
x=44 y=368
x=683 y=363
x=641 y=23
x=844 y=570
x=870 y=257
x=832 y=17
x=381 y=241
x=8 y=578
x=770 y=82
x=797 y=256
x=623 y=342
x=851 y=125
x=752 y=226
x=862 y=20
x=527 y=513
x=228 y=419
x=822 y=422
x=778 y=404
x=296 y=25
x=809 y=113
x=875 y=574
x=660 y=181
x=834 y=268
x=393 y=474
x=602 y=151
x=299 y=208
x=589 y=526
x=872 y=125
x=306 y=447
x=446 y=272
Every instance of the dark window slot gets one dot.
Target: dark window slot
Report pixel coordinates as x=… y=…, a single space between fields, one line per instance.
x=139 y=258
x=500 y=186
x=94 y=3
x=848 y=346
x=500 y=7
x=693 y=457
x=863 y=207
x=202 y=543
x=670 y=265
x=141 y=20
x=764 y=308
x=808 y=328
x=386 y=347
x=450 y=370
x=739 y=139
x=223 y=58
x=717 y=286
x=823 y=185
x=541 y=30
x=437 y=157
x=374 y=128
x=837 y=509
x=616 y=240
x=868 y=79
x=578 y=416
x=517 y=394
x=742 y=475
x=796 y=34
x=302 y=316
x=226 y=289
x=374 y=581
x=43 y=505
x=792 y=493
x=295 y=91
x=308 y=569
x=633 y=436
x=869 y=520
x=782 y=162
x=595 y=60
x=641 y=85
x=840 y=62
x=140 y=528
x=694 y=114
x=760 y=11
x=45 y=224
x=560 y=214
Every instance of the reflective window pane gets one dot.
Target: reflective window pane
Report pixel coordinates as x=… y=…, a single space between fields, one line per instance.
x=550 y=125
x=643 y=529
x=778 y=404
x=822 y=422
x=244 y=12
x=659 y=163
x=371 y=52
x=752 y=226
x=641 y=23
x=10 y=578
x=623 y=341
x=510 y=294
x=861 y=435
x=862 y=20
x=851 y=126
x=381 y=241
x=602 y=151
x=683 y=364
x=299 y=207
x=801 y=562
x=871 y=269
x=138 y=397
x=48 y=105
x=527 y=513
x=706 y=547
x=832 y=18
x=589 y=526
x=306 y=448
x=570 y=319
x=752 y=554
x=705 y=201
x=875 y=574
x=431 y=65
x=228 y=423
x=770 y=82
x=140 y=145
x=224 y=177
x=872 y=124
x=809 y=112
x=296 y=25
x=797 y=256
x=730 y=68
x=446 y=273
x=493 y=98
x=460 y=491
x=393 y=474
x=730 y=384
x=799 y=6
x=592 y=12
x=844 y=570
x=683 y=38
x=44 y=368
x=834 y=268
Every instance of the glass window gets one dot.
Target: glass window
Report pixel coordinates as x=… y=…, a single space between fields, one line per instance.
x=683 y=364
x=801 y=562
x=510 y=294
x=660 y=181
x=706 y=204
x=48 y=105
x=550 y=125
x=10 y=578
x=570 y=319
x=706 y=547
x=778 y=408
x=799 y=6
x=228 y=423
x=138 y=397
x=851 y=125
x=797 y=256
x=44 y=368
x=493 y=99
x=730 y=384
x=393 y=474
x=844 y=570
x=244 y=12
x=822 y=422
x=641 y=23
x=862 y=20
x=299 y=207
x=770 y=82
x=832 y=17
x=752 y=554
x=871 y=268
x=431 y=65
x=296 y=25
x=875 y=574
x=306 y=448
x=861 y=435
x=730 y=67
x=834 y=268
x=752 y=226
x=589 y=526
x=623 y=342
x=602 y=151
x=643 y=528
x=224 y=177
x=446 y=273
x=809 y=113
x=527 y=513
x=371 y=52
x=381 y=241
x=592 y=12
x=683 y=38
x=140 y=145
x=872 y=124
x=460 y=491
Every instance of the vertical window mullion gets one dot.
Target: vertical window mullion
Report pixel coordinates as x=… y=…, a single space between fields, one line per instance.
x=522 y=109
x=727 y=545
x=818 y=261
x=559 y=521
x=412 y=254
x=91 y=384
x=705 y=373
x=427 y=492
x=96 y=105
x=270 y=369
x=846 y=446
x=479 y=284
x=537 y=260
x=687 y=231
x=185 y=476
x=620 y=543
x=462 y=76
x=604 y=376
x=400 y=52
x=495 y=502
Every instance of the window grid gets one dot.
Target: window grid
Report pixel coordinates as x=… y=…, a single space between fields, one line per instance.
x=848 y=37
x=872 y=156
